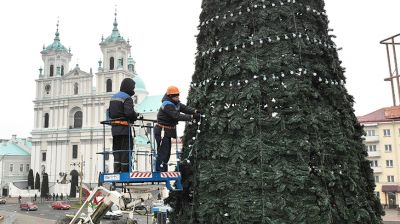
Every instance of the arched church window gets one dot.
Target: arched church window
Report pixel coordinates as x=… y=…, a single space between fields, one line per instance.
x=62 y=70
x=76 y=89
x=51 y=70
x=109 y=85
x=46 y=120
x=130 y=67
x=78 y=119
x=112 y=63
x=43 y=167
x=47 y=88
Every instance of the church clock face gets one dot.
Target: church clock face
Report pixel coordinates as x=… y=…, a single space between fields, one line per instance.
x=47 y=89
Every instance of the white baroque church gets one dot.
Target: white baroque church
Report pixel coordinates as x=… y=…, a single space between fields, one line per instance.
x=68 y=109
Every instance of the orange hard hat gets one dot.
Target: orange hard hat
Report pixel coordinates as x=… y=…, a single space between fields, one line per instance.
x=172 y=90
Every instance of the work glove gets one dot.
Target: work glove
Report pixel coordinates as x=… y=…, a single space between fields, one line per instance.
x=196 y=116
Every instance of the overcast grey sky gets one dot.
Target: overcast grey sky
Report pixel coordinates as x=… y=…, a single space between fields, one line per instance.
x=162 y=35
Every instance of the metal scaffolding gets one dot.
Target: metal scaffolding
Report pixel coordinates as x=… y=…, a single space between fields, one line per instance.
x=390 y=44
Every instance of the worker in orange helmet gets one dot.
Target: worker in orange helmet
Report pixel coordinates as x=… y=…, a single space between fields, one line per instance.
x=170 y=113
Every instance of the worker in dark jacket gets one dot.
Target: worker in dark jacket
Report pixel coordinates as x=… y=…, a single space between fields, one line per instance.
x=121 y=108
x=171 y=111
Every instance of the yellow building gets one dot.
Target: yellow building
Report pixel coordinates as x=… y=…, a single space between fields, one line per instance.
x=382 y=140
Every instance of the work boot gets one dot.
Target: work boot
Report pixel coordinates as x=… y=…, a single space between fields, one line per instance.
x=163 y=167
x=124 y=168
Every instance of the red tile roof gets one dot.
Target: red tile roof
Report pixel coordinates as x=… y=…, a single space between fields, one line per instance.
x=376 y=116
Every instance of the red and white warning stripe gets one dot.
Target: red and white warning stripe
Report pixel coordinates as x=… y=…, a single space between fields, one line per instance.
x=141 y=174
x=170 y=174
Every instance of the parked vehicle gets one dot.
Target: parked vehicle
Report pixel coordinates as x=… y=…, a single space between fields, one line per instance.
x=2 y=200
x=29 y=206
x=62 y=205
x=114 y=213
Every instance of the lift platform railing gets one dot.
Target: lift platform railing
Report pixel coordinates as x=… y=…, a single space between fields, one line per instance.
x=132 y=176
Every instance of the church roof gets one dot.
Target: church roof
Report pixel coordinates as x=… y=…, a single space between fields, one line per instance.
x=139 y=83
x=10 y=148
x=115 y=36
x=149 y=104
x=56 y=45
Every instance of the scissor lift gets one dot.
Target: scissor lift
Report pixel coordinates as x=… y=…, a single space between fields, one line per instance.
x=151 y=176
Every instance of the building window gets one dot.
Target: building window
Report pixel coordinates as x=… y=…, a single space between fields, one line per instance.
x=46 y=120
x=74 y=151
x=27 y=167
x=43 y=156
x=43 y=169
x=376 y=179
x=377 y=194
x=374 y=163
x=51 y=70
x=21 y=167
x=76 y=89
x=47 y=88
x=135 y=99
x=78 y=119
x=389 y=163
x=388 y=148
x=112 y=63
x=390 y=179
x=386 y=132
x=370 y=132
x=371 y=148
x=109 y=85
x=11 y=167
x=62 y=70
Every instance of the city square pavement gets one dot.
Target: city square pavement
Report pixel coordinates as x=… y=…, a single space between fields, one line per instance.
x=17 y=217
x=12 y=213
x=392 y=216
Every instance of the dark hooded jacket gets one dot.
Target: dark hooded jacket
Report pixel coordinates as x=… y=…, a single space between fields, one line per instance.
x=171 y=112
x=121 y=106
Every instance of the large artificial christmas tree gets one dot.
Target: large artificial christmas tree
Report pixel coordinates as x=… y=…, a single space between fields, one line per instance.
x=279 y=142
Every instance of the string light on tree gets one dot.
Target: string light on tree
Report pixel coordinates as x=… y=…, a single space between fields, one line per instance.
x=302 y=71
x=286 y=37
